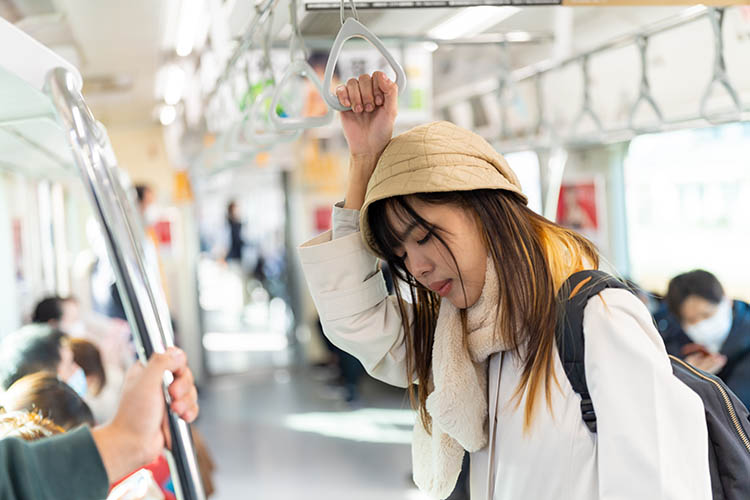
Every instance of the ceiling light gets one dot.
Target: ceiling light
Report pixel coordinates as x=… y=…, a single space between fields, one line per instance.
x=430 y=46
x=167 y=115
x=470 y=21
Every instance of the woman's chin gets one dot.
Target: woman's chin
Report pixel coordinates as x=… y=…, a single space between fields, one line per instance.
x=461 y=303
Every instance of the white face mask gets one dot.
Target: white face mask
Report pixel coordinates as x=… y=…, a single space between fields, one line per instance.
x=713 y=331
x=78 y=383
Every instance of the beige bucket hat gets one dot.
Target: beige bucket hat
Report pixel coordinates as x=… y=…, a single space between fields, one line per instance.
x=432 y=158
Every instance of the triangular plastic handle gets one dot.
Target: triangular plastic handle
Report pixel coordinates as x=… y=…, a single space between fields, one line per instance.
x=350 y=29
x=256 y=113
x=298 y=67
x=648 y=100
x=244 y=137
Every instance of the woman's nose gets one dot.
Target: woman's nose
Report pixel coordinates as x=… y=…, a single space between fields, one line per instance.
x=420 y=266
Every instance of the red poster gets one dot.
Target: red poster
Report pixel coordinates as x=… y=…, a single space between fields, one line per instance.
x=163 y=232
x=577 y=208
x=323 y=218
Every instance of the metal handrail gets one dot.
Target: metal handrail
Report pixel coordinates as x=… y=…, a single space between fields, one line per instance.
x=720 y=77
x=701 y=117
x=354 y=11
x=246 y=131
x=136 y=277
x=298 y=66
x=586 y=108
x=644 y=94
x=687 y=16
x=263 y=10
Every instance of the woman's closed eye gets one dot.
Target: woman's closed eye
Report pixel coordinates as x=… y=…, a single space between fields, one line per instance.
x=425 y=239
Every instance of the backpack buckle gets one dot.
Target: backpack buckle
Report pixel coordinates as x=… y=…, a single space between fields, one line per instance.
x=588 y=414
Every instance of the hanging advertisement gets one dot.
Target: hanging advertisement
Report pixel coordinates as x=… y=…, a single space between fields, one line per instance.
x=581 y=207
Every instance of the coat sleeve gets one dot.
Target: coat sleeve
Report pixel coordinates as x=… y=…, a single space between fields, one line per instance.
x=65 y=467
x=356 y=312
x=651 y=428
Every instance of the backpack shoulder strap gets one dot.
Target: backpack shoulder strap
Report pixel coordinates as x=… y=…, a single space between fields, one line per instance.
x=572 y=299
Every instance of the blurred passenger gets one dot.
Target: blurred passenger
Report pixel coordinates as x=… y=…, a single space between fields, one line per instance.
x=71 y=321
x=146 y=203
x=236 y=243
x=349 y=370
x=314 y=103
x=44 y=469
x=86 y=355
x=51 y=398
x=27 y=425
x=104 y=380
x=35 y=348
x=60 y=312
x=110 y=340
x=48 y=310
x=700 y=324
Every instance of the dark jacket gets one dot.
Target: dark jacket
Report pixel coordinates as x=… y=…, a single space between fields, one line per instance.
x=235 y=240
x=736 y=347
x=64 y=467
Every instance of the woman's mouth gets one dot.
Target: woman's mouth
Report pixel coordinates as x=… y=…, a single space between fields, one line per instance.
x=443 y=288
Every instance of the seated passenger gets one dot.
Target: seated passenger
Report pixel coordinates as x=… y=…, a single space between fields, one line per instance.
x=132 y=438
x=35 y=348
x=60 y=312
x=26 y=425
x=48 y=310
x=87 y=356
x=706 y=328
x=45 y=394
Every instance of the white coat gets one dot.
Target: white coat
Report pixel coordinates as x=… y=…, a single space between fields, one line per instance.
x=652 y=441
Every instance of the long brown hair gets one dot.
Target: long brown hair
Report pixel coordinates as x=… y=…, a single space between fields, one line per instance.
x=532 y=256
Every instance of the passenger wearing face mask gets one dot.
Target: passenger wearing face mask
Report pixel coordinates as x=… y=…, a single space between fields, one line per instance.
x=39 y=348
x=709 y=330
x=51 y=398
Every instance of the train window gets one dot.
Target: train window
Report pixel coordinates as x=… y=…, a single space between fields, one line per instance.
x=687 y=198
x=526 y=166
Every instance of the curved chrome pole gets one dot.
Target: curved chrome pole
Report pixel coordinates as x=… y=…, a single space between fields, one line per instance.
x=136 y=273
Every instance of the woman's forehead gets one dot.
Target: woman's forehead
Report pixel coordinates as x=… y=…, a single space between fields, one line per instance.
x=402 y=218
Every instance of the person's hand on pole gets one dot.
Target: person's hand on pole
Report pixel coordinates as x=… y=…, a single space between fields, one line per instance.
x=138 y=432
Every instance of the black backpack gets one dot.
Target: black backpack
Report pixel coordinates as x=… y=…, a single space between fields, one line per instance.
x=727 y=418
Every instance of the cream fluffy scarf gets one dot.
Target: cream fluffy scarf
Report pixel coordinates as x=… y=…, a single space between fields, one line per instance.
x=458 y=402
